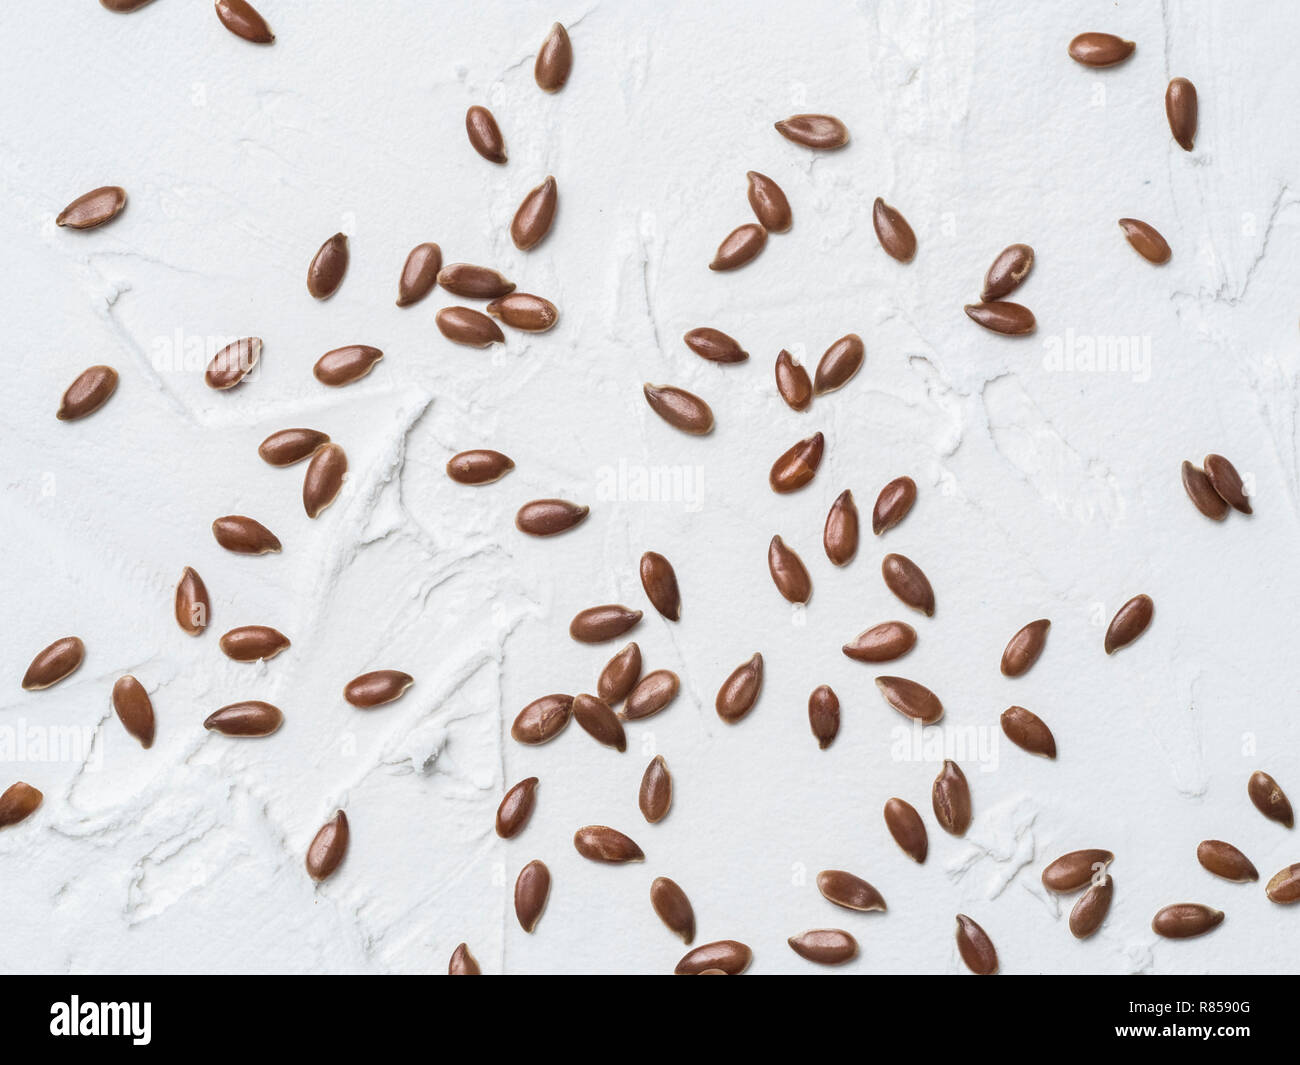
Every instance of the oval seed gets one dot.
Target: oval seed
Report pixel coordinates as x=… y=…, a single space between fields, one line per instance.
x=1201 y=492
x=1223 y=859
x=463 y=963
x=1028 y=731
x=1227 y=482
x=1024 y=647
x=893 y=232
x=253 y=643
x=1180 y=109
x=620 y=675
x=673 y=907
x=123 y=7
x=1266 y=794
x=904 y=578
x=1073 y=871
x=1091 y=909
x=377 y=688
x=652 y=694
x=975 y=947
x=793 y=382
x=659 y=580
x=1129 y=622
x=740 y=691
x=532 y=889
x=542 y=720
x=822 y=132
x=851 y=892
x=893 y=504
x=797 y=466
x=419 y=274
x=1009 y=269
x=911 y=699
x=516 y=808
x=484 y=134
x=328 y=847
x=681 y=409
x=344 y=365
x=824 y=715
x=463 y=325
x=840 y=537
x=474 y=282
x=656 y=794
x=481 y=466
x=244 y=536
x=1100 y=49
x=243 y=20
x=599 y=721
x=289 y=446
x=233 y=363
x=825 y=946
x=789 y=574
x=193 y=608
x=93 y=208
x=90 y=391
x=554 y=60
x=726 y=955
x=597 y=624
x=771 y=208
x=1002 y=316
x=881 y=643
x=324 y=479
x=548 y=517
x=328 y=266
x=18 y=803
x=950 y=797
x=907 y=828
x=739 y=247
x=600 y=843
x=839 y=363
x=714 y=345
x=533 y=219
x=1184 y=920
x=1283 y=888
x=247 y=719
x=54 y=663
x=1146 y=241
x=525 y=312
x=134 y=709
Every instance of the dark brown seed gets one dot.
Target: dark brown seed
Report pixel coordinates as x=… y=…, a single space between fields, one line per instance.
x=474 y=282
x=93 y=208
x=243 y=20
x=1024 y=647
x=134 y=709
x=599 y=721
x=851 y=892
x=714 y=345
x=1002 y=316
x=1100 y=49
x=480 y=466
x=1180 y=108
x=1227 y=482
x=652 y=694
x=599 y=843
x=823 y=132
x=328 y=266
x=533 y=219
x=1201 y=492
x=660 y=583
x=548 y=517
x=329 y=847
x=1264 y=792
x=840 y=537
x=1129 y=622
x=1028 y=731
x=53 y=664
x=419 y=274
x=532 y=889
x=554 y=60
x=911 y=699
x=1223 y=859
x=904 y=578
x=525 y=312
x=253 y=643
x=739 y=247
x=463 y=963
x=824 y=715
x=233 y=363
x=1092 y=907
x=656 y=794
x=681 y=409
x=244 y=536
x=882 y=643
x=1073 y=871
x=543 y=719
x=839 y=363
x=376 y=688
x=252 y=718
x=484 y=134
x=1184 y=920
x=825 y=946
x=740 y=691
x=793 y=383
x=517 y=808
x=1146 y=241
x=18 y=803
x=726 y=955
x=90 y=391
x=1283 y=888
x=344 y=365
x=324 y=479
x=620 y=675
x=789 y=574
x=673 y=907
x=893 y=504
x=771 y=208
x=290 y=446
x=1009 y=269
x=907 y=828
x=124 y=7
x=193 y=608
x=797 y=466
x=893 y=232
x=464 y=325
x=597 y=624
x=975 y=947
x=950 y=797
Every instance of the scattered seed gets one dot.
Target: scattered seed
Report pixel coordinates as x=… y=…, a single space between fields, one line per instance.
x=532 y=889
x=377 y=688
x=1184 y=920
x=123 y=7
x=463 y=325
x=1223 y=859
x=533 y=219
x=975 y=947
x=823 y=132
x=1074 y=871
x=620 y=675
x=793 y=382
x=1180 y=108
x=480 y=466
x=474 y=282
x=904 y=578
x=1091 y=909
x=525 y=312
x=950 y=797
x=1002 y=316
x=484 y=134
x=54 y=663
x=911 y=699
x=1100 y=49
x=739 y=246
x=652 y=694
x=673 y=907
x=597 y=624
x=825 y=946
x=840 y=537
x=851 y=892
x=907 y=828
x=328 y=266
x=328 y=847
x=90 y=391
x=1024 y=647
x=1145 y=240
x=134 y=709
x=248 y=719
x=548 y=517
x=1227 y=482
x=516 y=808
x=1028 y=731
x=839 y=363
x=243 y=20
x=244 y=536
x=797 y=466
x=554 y=60
x=681 y=409
x=1283 y=888
x=1009 y=269
x=771 y=208
x=1201 y=492
x=324 y=479
x=290 y=446
x=18 y=803
x=93 y=208
x=727 y=955
x=714 y=345
x=893 y=232
x=542 y=720
x=893 y=504
x=193 y=608
x=253 y=643
x=233 y=363
x=824 y=715
x=1265 y=793
x=463 y=963
x=1129 y=622
x=789 y=574
x=600 y=843
x=344 y=365
x=740 y=691
x=656 y=794
x=599 y=721
x=882 y=643
x=660 y=583
x=419 y=274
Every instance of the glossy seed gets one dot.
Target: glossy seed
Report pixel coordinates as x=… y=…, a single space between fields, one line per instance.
x=554 y=60
x=253 y=643
x=1073 y=871
x=1146 y=241
x=481 y=466
x=673 y=907
x=851 y=892
x=659 y=580
x=525 y=312
x=532 y=889
x=463 y=963
x=950 y=797
x=740 y=691
x=825 y=946
x=517 y=808
x=1091 y=909
x=233 y=363
x=1266 y=794
x=789 y=574
x=726 y=955
x=134 y=709
x=771 y=208
x=328 y=848
x=600 y=843
x=739 y=247
x=464 y=325
x=1283 y=888
x=975 y=947
x=1024 y=647
x=377 y=688
x=244 y=536
x=620 y=675
x=18 y=802
x=484 y=134
x=681 y=409
x=90 y=391
x=840 y=536
x=419 y=274
x=192 y=607
x=893 y=504
x=823 y=132
x=93 y=208
x=656 y=795
x=911 y=699
x=824 y=715
x=904 y=578
x=344 y=365
x=289 y=446
x=1009 y=269
x=1129 y=622
x=474 y=282
x=1002 y=316
x=597 y=624
x=881 y=643
x=1184 y=920
x=1227 y=482
x=1180 y=109
x=124 y=7
x=714 y=345
x=1200 y=490
x=1028 y=731
x=328 y=266
x=652 y=694
x=542 y=720
x=548 y=517
x=907 y=828
x=243 y=20
x=839 y=363
x=599 y=721
x=54 y=663
x=1100 y=49
x=324 y=479
x=252 y=718
x=797 y=466
x=534 y=216
x=1223 y=859
x=793 y=382
x=893 y=232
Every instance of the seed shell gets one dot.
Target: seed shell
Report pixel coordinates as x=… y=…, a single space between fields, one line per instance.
x=951 y=799
x=18 y=802
x=1091 y=909
x=822 y=132
x=789 y=574
x=1200 y=490
x=793 y=382
x=244 y=535
x=342 y=366
x=93 y=208
x=289 y=446
x=517 y=808
x=554 y=60
x=1002 y=316
x=1146 y=240
x=1073 y=871
x=597 y=624
x=739 y=247
x=652 y=694
x=825 y=946
x=253 y=643
x=824 y=715
x=1185 y=920
x=599 y=721
x=1129 y=622
x=839 y=364
x=233 y=363
x=534 y=216
x=851 y=892
x=840 y=536
x=324 y=479
x=1223 y=859
x=893 y=232
x=532 y=889
x=740 y=691
x=881 y=643
x=1181 y=110
x=975 y=947
x=656 y=795
x=377 y=688
x=90 y=391
x=659 y=580
x=480 y=466
x=56 y=662
x=484 y=134
x=549 y=517
x=463 y=963
x=911 y=699
x=905 y=579
x=525 y=312
x=474 y=282
x=419 y=274
x=134 y=709
x=771 y=208
x=714 y=345
x=1028 y=731
x=328 y=848
x=1100 y=49
x=907 y=828
x=1009 y=269
x=243 y=20
x=328 y=266
x=798 y=465
x=600 y=843
x=1283 y=888
x=1024 y=648
x=1227 y=482
x=464 y=325
x=620 y=675
x=681 y=409
x=893 y=504
x=726 y=955
x=193 y=608
x=673 y=907
x=1268 y=797
x=542 y=720
x=247 y=719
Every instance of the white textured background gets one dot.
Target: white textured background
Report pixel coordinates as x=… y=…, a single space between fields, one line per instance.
x=1041 y=493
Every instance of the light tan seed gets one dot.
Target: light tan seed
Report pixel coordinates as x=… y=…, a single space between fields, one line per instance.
x=329 y=847
x=673 y=907
x=904 y=578
x=134 y=709
x=659 y=580
x=656 y=795
x=975 y=947
x=54 y=663
x=1024 y=647
x=324 y=479
x=1180 y=109
x=1100 y=49
x=771 y=208
x=599 y=721
x=344 y=365
x=851 y=892
x=825 y=946
x=534 y=216
x=1009 y=269
x=328 y=266
x=1130 y=622
x=247 y=719
x=1002 y=316
x=797 y=466
x=1201 y=492
x=652 y=694
x=824 y=715
x=893 y=232
x=740 y=691
x=93 y=208
x=950 y=797
x=233 y=363
x=681 y=409
x=516 y=808
x=1091 y=909
x=90 y=391
x=907 y=828
x=911 y=699
x=726 y=955
x=525 y=312
x=532 y=889
x=463 y=963
x=253 y=643
x=290 y=446
x=789 y=574
x=1028 y=731
x=542 y=720
x=484 y=134
x=1227 y=482
x=1184 y=920
x=839 y=364
x=714 y=345
x=243 y=20
x=739 y=247
x=620 y=675
x=464 y=325
x=840 y=536
x=1073 y=871
x=893 y=504
x=377 y=688
x=548 y=517
x=1267 y=795
x=1283 y=888
x=600 y=843
x=554 y=60
x=1146 y=241
x=419 y=274
x=480 y=466
x=244 y=536
x=18 y=803
x=1223 y=859
x=193 y=608
x=822 y=132
x=881 y=643
x=793 y=382
x=597 y=624
x=474 y=282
